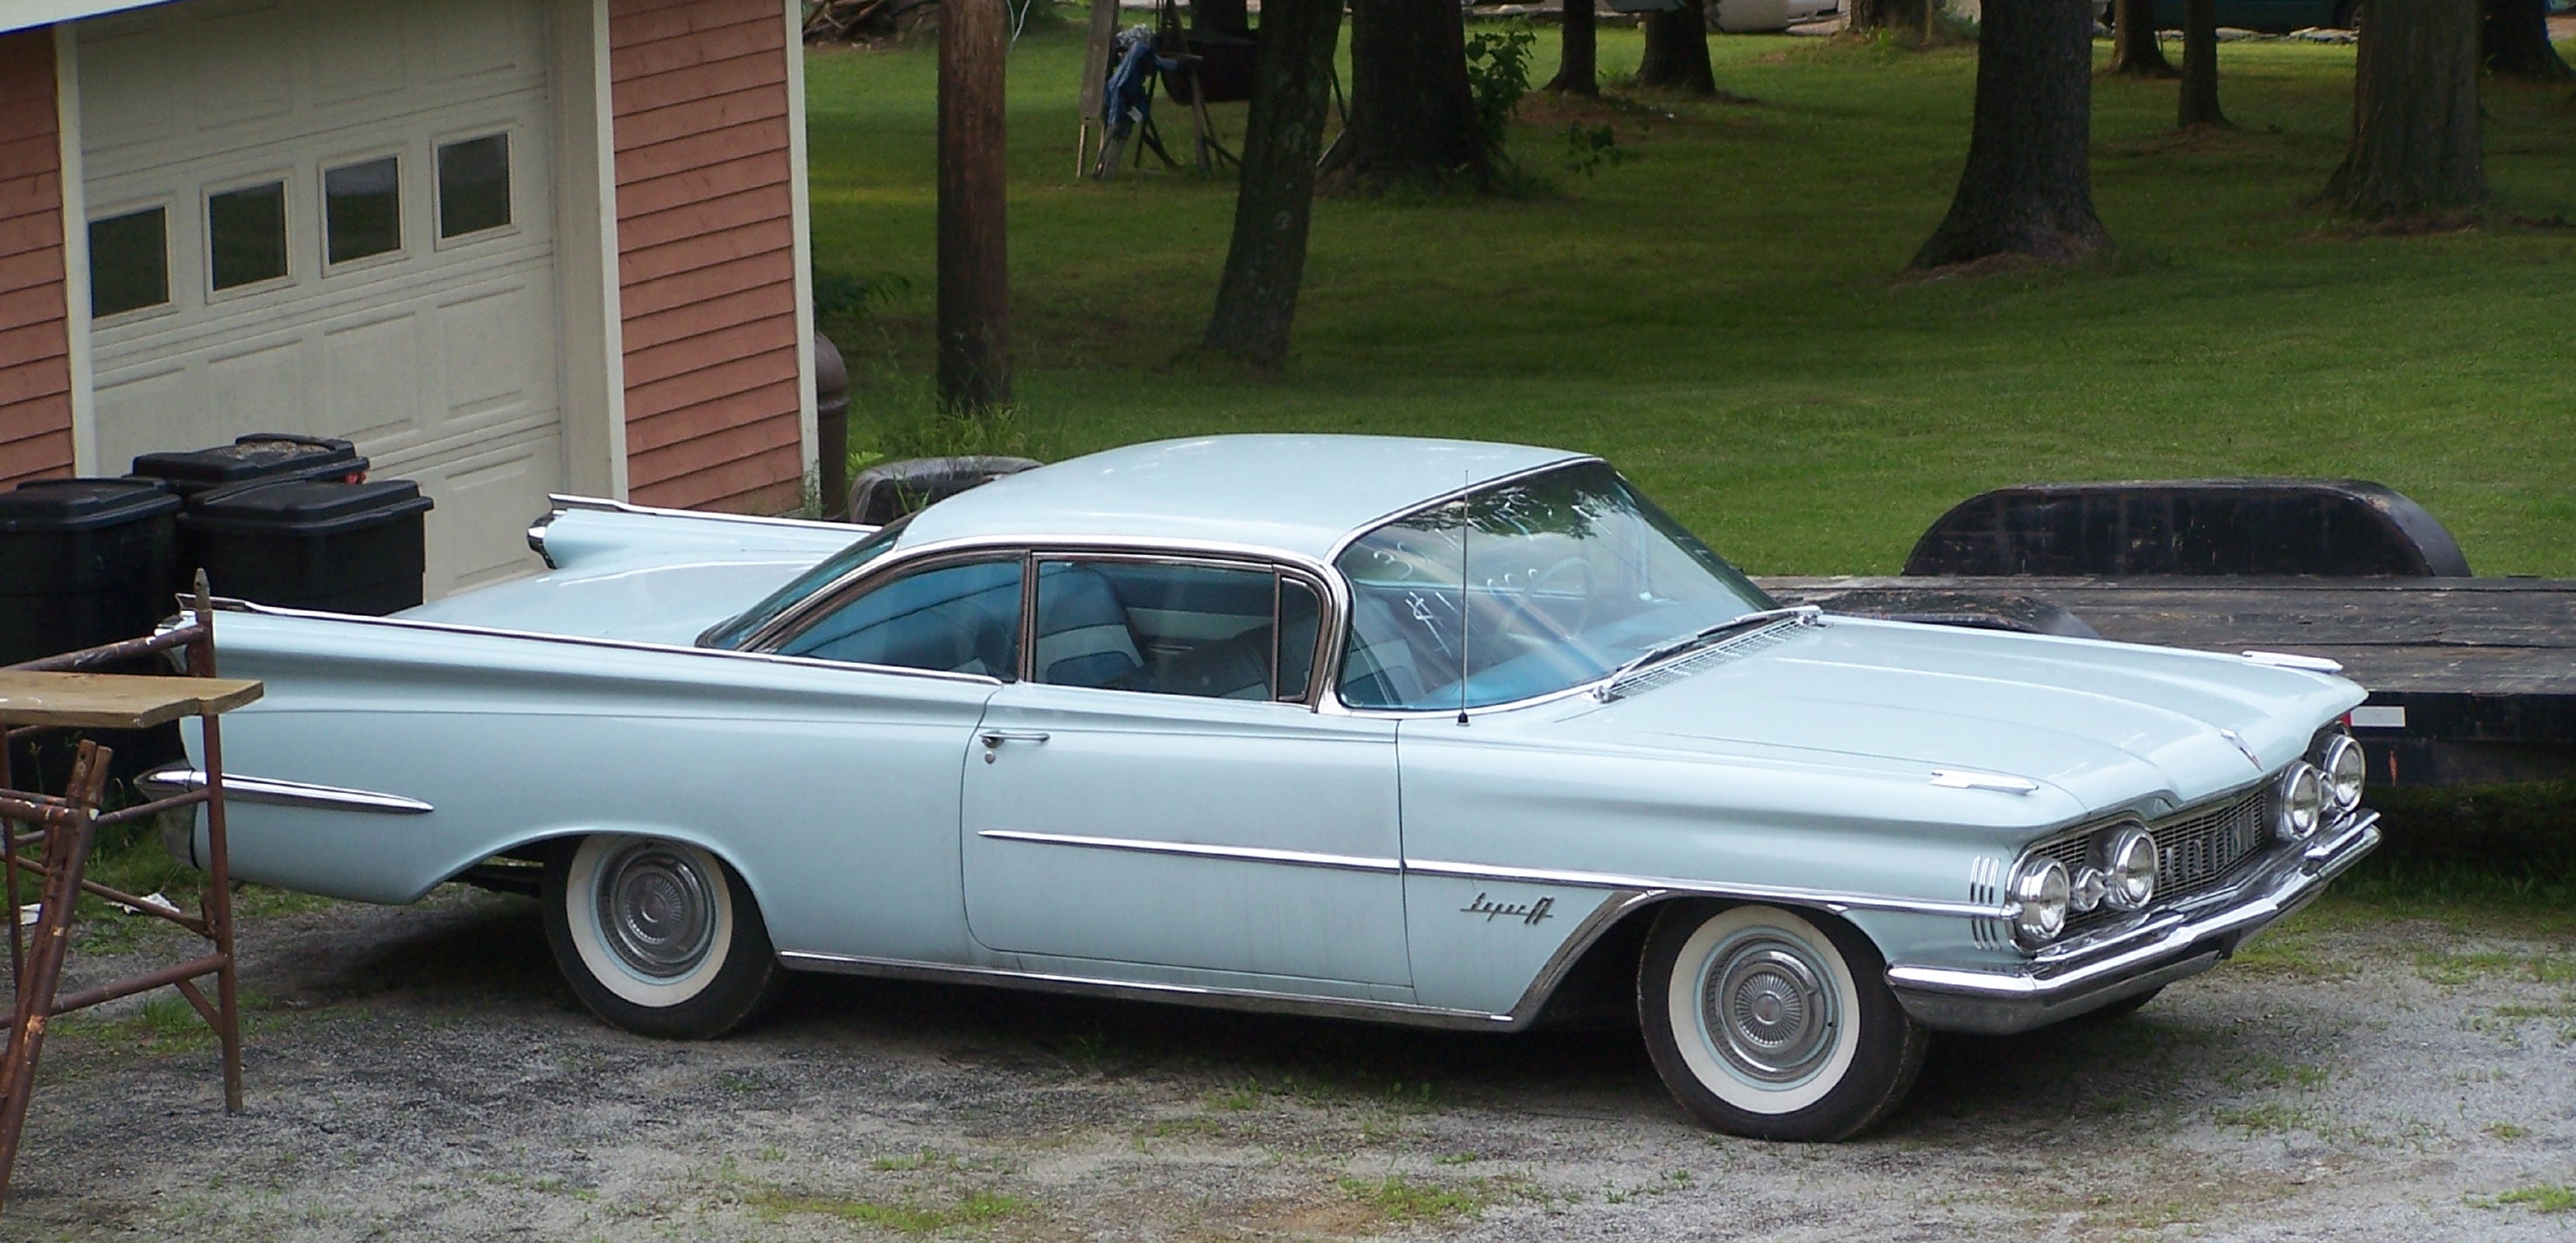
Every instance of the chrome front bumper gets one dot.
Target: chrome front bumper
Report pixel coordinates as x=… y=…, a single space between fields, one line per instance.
x=2064 y=981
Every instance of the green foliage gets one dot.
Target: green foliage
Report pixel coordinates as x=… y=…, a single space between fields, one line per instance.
x=1407 y=1199
x=1722 y=315
x=1498 y=75
x=1588 y=147
x=2547 y=1198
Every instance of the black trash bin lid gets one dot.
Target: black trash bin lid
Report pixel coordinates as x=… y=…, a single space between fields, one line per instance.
x=250 y=457
x=47 y=506
x=305 y=507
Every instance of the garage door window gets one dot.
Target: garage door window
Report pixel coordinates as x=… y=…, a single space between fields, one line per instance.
x=362 y=209
x=246 y=234
x=473 y=185
x=129 y=262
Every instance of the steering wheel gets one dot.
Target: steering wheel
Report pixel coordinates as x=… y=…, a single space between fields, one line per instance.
x=1581 y=570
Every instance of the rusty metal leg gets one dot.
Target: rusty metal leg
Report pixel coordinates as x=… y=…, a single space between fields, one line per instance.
x=218 y=906
x=67 y=843
x=9 y=863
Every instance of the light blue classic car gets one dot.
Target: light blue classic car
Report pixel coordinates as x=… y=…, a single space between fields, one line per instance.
x=1418 y=731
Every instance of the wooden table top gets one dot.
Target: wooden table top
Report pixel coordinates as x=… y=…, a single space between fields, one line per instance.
x=115 y=700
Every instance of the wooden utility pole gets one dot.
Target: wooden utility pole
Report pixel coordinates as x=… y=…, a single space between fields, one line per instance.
x=974 y=259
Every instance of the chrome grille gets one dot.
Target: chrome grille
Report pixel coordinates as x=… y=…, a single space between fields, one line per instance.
x=2195 y=851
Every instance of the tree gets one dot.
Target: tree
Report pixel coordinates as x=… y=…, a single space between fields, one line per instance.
x=1676 y=56
x=2199 y=65
x=1907 y=16
x=2414 y=149
x=974 y=324
x=1412 y=118
x=1291 y=90
x=1578 y=56
x=2517 y=41
x=2134 y=49
x=2028 y=186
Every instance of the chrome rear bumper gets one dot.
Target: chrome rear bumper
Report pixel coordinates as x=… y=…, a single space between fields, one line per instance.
x=2065 y=981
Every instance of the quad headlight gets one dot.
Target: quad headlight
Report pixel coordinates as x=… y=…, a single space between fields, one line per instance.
x=2299 y=802
x=2128 y=862
x=2041 y=891
x=2344 y=769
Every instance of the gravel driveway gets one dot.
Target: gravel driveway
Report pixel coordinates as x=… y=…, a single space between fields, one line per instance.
x=421 y=1074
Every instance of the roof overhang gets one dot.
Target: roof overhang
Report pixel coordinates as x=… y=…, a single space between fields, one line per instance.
x=24 y=14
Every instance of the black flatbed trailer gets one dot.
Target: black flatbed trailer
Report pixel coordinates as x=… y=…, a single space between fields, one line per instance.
x=2471 y=680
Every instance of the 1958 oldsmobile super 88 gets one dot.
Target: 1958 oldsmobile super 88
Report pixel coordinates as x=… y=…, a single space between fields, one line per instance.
x=1418 y=731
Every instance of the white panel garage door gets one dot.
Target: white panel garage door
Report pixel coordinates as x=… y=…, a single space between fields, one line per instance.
x=353 y=200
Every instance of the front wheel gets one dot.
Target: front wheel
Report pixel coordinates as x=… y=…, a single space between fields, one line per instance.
x=1773 y=1024
x=658 y=937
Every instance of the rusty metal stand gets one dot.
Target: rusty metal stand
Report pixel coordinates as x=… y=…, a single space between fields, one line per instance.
x=61 y=692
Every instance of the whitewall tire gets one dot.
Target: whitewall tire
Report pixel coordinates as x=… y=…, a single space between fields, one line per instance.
x=1772 y=1023
x=658 y=936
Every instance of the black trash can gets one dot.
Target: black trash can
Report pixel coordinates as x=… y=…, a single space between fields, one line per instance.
x=314 y=544
x=83 y=562
x=270 y=456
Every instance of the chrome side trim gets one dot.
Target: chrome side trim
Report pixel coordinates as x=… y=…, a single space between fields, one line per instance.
x=180 y=779
x=1714 y=889
x=603 y=504
x=1181 y=994
x=1242 y=854
x=1603 y=918
x=615 y=645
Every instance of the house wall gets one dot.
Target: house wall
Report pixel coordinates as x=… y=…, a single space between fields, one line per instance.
x=35 y=346
x=707 y=247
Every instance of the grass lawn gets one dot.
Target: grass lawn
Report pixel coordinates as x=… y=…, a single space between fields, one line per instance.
x=1720 y=314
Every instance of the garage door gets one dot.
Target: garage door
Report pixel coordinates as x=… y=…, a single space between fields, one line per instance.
x=333 y=217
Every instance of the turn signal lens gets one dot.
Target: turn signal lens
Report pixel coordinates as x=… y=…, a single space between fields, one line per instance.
x=2041 y=891
x=2129 y=869
x=2299 y=801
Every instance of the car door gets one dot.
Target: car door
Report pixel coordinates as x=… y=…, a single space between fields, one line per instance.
x=1159 y=791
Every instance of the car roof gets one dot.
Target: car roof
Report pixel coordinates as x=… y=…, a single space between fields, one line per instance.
x=1291 y=494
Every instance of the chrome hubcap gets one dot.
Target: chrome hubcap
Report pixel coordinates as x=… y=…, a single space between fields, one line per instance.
x=1768 y=1009
x=657 y=908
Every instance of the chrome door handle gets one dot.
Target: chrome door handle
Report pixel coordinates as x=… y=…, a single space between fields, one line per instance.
x=994 y=738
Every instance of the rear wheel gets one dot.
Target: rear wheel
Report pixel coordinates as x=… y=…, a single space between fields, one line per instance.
x=1774 y=1024
x=658 y=937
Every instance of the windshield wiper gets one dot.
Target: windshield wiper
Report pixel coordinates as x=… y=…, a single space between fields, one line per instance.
x=1804 y=614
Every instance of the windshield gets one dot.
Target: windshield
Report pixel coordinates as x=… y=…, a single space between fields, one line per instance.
x=1567 y=575
x=731 y=634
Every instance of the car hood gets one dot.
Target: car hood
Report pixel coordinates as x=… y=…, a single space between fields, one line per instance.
x=643 y=576
x=2110 y=724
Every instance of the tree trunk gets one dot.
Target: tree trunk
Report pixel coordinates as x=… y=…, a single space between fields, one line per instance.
x=1578 y=57
x=974 y=313
x=1912 y=17
x=1676 y=57
x=1411 y=116
x=2134 y=49
x=2028 y=187
x=2414 y=148
x=2199 y=65
x=1291 y=91
x=2517 y=41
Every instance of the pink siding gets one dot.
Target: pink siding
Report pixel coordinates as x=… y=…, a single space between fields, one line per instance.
x=706 y=252
x=35 y=345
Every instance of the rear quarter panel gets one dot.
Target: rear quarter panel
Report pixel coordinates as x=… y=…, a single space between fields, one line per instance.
x=833 y=790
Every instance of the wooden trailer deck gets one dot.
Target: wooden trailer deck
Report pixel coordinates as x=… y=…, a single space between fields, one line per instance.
x=2471 y=680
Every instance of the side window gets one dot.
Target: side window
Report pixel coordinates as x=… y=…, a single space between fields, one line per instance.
x=962 y=618
x=1301 y=613
x=1199 y=630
